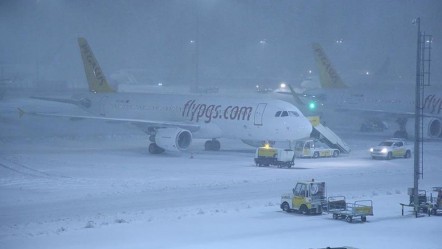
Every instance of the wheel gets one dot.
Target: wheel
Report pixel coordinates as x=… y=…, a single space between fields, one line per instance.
x=363 y=218
x=349 y=219
x=285 y=207
x=316 y=154
x=335 y=216
x=155 y=149
x=216 y=145
x=208 y=145
x=389 y=156
x=407 y=154
x=335 y=153
x=212 y=145
x=304 y=210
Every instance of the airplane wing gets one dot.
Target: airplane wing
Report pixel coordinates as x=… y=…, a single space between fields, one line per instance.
x=140 y=123
x=60 y=100
x=364 y=112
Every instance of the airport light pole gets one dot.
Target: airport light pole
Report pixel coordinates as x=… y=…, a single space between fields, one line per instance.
x=417 y=120
x=423 y=61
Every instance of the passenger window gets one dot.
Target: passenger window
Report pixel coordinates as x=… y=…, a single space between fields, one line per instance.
x=278 y=113
x=284 y=114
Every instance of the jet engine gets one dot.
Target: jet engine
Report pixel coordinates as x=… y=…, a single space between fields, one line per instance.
x=432 y=127
x=173 y=139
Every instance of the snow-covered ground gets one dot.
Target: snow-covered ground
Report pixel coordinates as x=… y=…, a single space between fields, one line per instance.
x=90 y=184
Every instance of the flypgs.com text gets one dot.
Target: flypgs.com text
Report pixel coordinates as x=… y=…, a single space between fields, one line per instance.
x=196 y=112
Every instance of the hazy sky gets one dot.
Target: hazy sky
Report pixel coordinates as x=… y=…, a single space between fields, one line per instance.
x=234 y=41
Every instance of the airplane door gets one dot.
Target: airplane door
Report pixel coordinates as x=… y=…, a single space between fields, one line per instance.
x=259 y=112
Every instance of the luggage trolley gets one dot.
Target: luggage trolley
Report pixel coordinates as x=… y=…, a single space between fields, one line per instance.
x=340 y=209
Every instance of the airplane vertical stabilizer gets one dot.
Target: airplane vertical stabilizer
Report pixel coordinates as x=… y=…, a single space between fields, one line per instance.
x=328 y=76
x=95 y=77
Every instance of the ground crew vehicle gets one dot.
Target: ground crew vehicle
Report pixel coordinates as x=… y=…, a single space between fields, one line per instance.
x=314 y=148
x=423 y=205
x=267 y=155
x=307 y=197
x=391 y=148
x=436 y=202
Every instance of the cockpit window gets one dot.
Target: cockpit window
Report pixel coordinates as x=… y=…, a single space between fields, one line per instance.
x=286 y=113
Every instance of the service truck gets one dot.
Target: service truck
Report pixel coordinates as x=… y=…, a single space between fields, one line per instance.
x=391 y=148
x=314 y=148
x=266 y=156
x=307 y=197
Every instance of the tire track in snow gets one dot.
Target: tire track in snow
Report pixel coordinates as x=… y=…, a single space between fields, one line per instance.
x=25 y=170
x=17 y=171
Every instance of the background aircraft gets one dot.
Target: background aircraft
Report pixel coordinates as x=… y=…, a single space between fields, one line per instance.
x=376 y=105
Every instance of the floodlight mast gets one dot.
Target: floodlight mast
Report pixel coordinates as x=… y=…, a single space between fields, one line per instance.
x=423 y=61
x=417 y=119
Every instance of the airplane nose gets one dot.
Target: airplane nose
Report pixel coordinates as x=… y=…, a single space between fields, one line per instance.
x=306 y=128
x=300 y=128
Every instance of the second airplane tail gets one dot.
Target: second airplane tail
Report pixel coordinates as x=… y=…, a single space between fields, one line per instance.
x=95 y=77
x=328 y=76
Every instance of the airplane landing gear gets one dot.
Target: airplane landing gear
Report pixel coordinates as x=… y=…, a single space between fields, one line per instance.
x=155 y=149
x=402 y=132
x=373 y=125
x=212 y=145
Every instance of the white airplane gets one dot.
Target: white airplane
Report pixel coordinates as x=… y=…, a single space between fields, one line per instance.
x=172 y=121
x=380 y=103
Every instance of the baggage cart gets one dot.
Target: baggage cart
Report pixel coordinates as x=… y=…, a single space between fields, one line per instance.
x=340 y=209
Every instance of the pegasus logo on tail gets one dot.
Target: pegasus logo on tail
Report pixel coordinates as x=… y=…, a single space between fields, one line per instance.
x=328 y=76
x=95 y=77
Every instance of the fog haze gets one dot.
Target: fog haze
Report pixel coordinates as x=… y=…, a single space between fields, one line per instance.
x=215 y=42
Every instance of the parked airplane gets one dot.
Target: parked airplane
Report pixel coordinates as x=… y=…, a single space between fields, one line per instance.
x=376 y=104
x=172 y=121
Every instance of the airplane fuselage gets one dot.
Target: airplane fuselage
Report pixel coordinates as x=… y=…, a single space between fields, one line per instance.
x=215 y=116
x=390 y=100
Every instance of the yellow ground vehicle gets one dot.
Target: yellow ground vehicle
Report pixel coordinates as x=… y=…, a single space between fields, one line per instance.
x=436 y=202
x=266 y=156
x=391 y=148
x=307 y=197
x=314 y=148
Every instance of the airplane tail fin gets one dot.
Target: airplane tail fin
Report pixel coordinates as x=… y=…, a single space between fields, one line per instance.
x=328 y=76
x=95 y=77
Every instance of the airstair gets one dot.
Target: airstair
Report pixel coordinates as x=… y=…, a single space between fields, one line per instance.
x=327 y=136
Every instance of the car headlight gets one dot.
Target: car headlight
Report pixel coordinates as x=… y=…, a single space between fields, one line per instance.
x=384 y=150
x=371 y=149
